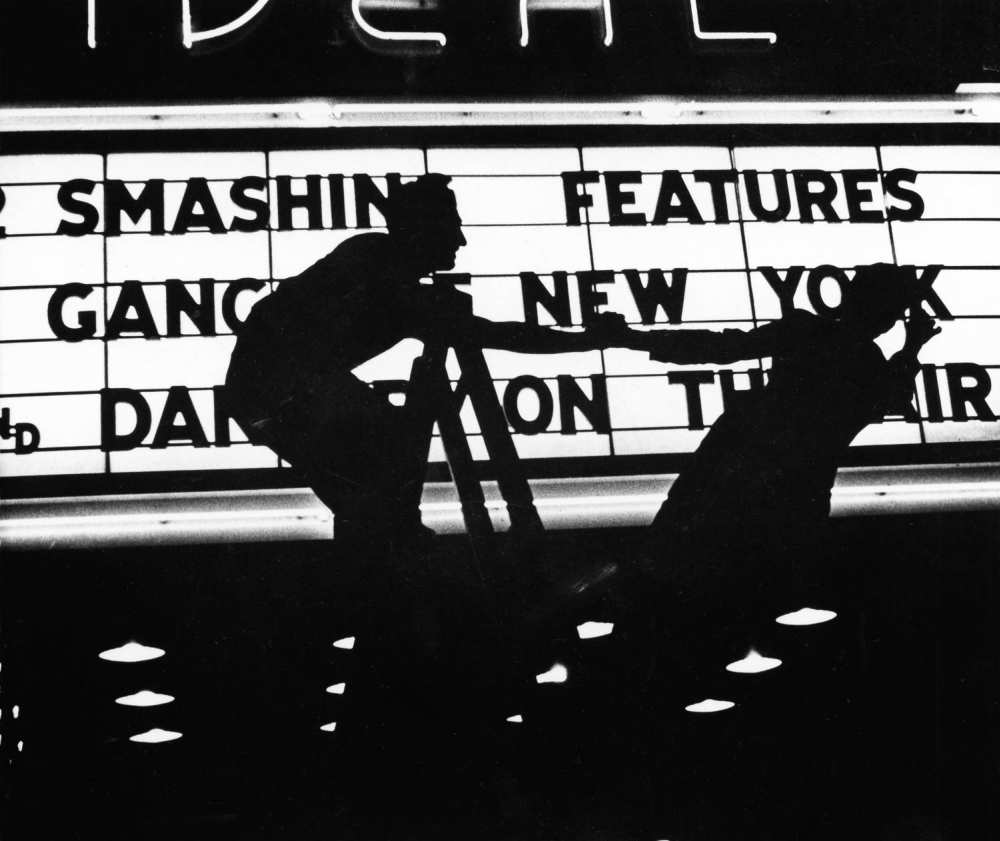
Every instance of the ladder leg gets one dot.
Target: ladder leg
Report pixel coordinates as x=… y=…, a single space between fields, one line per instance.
x=430 y=384
x=463 y=468
x=524 y=519
x=422 y=411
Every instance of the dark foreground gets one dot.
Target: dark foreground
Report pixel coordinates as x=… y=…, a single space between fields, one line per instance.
x=882 y=724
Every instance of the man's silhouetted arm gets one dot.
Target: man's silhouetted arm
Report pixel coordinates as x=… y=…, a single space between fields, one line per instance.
x=445 y=316
x=522 y=338
x=902 y=368
x=713 y=346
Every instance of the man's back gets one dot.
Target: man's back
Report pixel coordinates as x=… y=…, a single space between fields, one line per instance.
x=307 y=335
x=339 y=312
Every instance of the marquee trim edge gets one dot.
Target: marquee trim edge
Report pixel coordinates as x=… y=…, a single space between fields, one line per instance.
x=291 y=514
x=977 y=108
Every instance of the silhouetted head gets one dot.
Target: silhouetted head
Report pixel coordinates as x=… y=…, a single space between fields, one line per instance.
x=422 y=217
x=879 y=296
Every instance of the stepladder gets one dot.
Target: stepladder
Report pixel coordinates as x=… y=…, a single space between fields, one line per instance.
x=434 y=399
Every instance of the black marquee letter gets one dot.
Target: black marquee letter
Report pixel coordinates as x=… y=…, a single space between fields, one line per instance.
x=233 y=291
x=68 y=201
x=576 y=200
x=111 y=439
x=118 y=200
x=132 y=297
x=513 y=412
x=87 y=320
x=618 y=198
x=814 y=288
x=751 y=181
x=556 y=303
x=189 y=429
x=974 y=394
x=692 y=382
x=658 y=293
x=595 y=409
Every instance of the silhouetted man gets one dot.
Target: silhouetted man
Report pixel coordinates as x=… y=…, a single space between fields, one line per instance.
x=290 y=380
x=747 y=513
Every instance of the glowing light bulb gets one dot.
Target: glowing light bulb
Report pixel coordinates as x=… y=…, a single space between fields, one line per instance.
x=131 y=652
x=753 y=664
x=557 y=674
x=155 y=736
x=806 y=616
x=593 y=630
x=145 y=698
x=710 y=705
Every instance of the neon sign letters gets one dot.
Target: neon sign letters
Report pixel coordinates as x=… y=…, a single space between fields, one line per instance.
x=417 y=42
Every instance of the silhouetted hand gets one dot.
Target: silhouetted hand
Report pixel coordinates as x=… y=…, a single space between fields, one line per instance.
x=920 y=329
x=609 y=329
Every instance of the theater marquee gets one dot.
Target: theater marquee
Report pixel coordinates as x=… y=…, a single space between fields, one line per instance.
x=125 y=275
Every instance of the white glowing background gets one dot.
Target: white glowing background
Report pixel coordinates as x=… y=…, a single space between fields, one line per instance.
x=513 y=206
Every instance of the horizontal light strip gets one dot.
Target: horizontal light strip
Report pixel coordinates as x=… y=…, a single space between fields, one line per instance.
x=652 y=111
x=295 y=514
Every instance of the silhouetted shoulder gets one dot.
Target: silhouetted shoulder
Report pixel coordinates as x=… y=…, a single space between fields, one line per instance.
x=800 y=330
x=362 y=250
x=804 y=321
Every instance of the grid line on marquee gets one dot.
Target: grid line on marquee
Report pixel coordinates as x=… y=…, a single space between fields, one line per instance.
x=209 y=180
x=746 y=253
x=222 y=334
x=675 y=223
x=104 y=300
x=894 y=421
x=270 y=244
x=502 y=275
x=895 y=260
x=593 y=267
x=940 y=366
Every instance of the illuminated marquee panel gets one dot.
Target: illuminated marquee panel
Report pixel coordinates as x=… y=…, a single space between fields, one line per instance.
x=122 y=277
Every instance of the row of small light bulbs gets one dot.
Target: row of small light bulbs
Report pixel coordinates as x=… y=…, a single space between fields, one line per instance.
x=15 y=713
x=345 y=644
x=135 y=652
x=753 y=663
